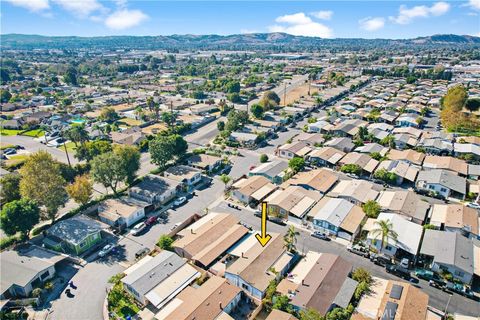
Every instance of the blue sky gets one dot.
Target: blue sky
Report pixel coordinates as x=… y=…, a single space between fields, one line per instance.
x=329 y=19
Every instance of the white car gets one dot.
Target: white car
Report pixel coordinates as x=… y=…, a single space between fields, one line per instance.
x=105 y=250
x=138 y=228
x=405 y=263
x=179 y=201
x=56 y=142
x=473 y=205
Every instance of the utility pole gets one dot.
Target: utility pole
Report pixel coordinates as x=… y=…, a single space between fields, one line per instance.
x=445 y=316
x=285 y=94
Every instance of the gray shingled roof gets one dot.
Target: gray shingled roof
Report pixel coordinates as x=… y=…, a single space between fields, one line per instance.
x=76 y=229
x=444 y=178
x=153 y=272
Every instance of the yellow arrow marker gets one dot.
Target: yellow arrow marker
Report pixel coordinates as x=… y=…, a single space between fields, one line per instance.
x=264 y=238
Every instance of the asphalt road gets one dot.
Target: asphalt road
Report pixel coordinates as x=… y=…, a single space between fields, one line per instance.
x=438 y=299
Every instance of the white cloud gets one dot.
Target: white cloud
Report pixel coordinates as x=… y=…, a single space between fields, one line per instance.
x=248 y=31
x=406 y=15
x=474 y=4
x=80 y=8
x=124 y=19
x=299 y=24
x=372 y=24
x=32 y=5
x=296 y=18
x=323 y=15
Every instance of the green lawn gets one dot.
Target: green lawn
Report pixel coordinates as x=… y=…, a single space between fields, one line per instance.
x=34 y=133
x=70 y=147
x=9 y=132
x=130 y=122
x=16 y=159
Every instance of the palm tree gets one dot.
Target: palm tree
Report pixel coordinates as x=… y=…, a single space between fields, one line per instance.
x=385 y=231
x=225 y=179
x=77 y=134
x=290 y=239
x=388 y=141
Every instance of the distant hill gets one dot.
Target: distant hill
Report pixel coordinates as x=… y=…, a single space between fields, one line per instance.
x=268 y=41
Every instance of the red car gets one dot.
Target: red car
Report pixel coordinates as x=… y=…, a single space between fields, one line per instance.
x=151 y=221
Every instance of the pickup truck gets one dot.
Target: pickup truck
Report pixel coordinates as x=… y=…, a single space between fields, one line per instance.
x=361 y=251
x=398 y=271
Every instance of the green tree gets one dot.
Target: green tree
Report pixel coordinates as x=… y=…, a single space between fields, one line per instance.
x=91 y=149
x=167 y=148
x=169 y=118
x=19 y=216
x=384 y=230
x=130 y=157
x=234 y=97
x=165 y=242
x=5 y=96
x=473 y=104
x=290 y=239
x=310 y=314
x=263 y=158
x=70 y=76
x=10 y=187
x=77 y=134
x=351 y=168
x=81 y=189
x=257 y=111
x=225 y=179
x=388 y=141
x=108 y=114
x=220 y=125
x=269 y=100
x=362 y=275
x=384 y=175
x=112 y=168
x=371 y=209
x=42 y=181
x=282 y=303
x=296 y=164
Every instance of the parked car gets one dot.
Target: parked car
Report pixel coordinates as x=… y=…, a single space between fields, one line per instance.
x=151 y=221
x=277 y=220
x=427 y=275
x=320 y=235
x=379 y=260
x=56 y=142
x=141 y=253
x=136 y=230
x=105 y=250
x=473 y=205
x=405 y=263
x=398 y=271
x=175 y=226
x=357 y=249
x=439 y=284
x=9 y=151
x=179 y=201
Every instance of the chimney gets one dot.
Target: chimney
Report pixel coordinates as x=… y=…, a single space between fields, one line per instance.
x=243 y=256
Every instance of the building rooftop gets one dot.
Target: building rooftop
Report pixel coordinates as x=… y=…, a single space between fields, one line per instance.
x=75 y=229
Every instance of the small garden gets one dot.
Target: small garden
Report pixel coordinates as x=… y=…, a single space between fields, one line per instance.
x=121 y=304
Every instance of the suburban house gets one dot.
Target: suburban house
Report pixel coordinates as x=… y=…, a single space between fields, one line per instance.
x=293 y=203
x=337 y=217
x=467 y=150
x=404 y=202
x=342 y=144
x=356 y=191
x=252 y=189
x=276 y=314
x=319 y=281
x=455 y=165
x=74 y=235
x=326 y=156
x=312 y=139
x=409 y=156
x=186 y=175
x=400 y=300
x=25 y=269
x=251 y=267
x=121 y=213
x=408 y=240
x=443 y=182
x=404 y=172
x=155 y=190
x=403 y=141
x=295 y=149
x=321 y=180
x=456 y=255
x=436 y=146
x=272 y=170
x=371 y=148
x=131 y=136
x=320 y=126
x=407 y=120
x=214 y=299
x=248 y=140
x=455 y=218
x=206 y=240
x=362 y=160
x=157 y=280
x=204 y=162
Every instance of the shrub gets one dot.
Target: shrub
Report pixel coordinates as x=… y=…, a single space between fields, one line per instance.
x=351 y=168
x=37 y=292
x=263 y=158
x=165 y=242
